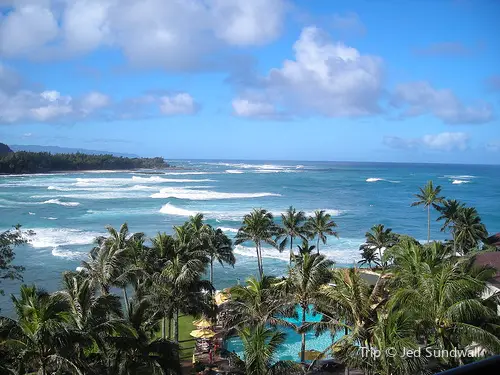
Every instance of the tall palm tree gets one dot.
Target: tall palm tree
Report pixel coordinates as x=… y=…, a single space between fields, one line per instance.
x=259 y=301
x=96 y=316
x=429 y=197
x=219 y=247
x=449 y=213
x=260 y=345
x=368 y=256
x=257 y=227
x=293 y=227
x=305 y=248
x=320 y=225
x=40 y=337
x=180 y=283
x=379 y=238
x=307 y=277
x=468 y=229
x=142 y=353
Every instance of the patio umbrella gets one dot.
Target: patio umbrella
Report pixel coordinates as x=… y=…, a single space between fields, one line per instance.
x=202 y=333
x=311 y=355
x=220 y=298
x=202 y=323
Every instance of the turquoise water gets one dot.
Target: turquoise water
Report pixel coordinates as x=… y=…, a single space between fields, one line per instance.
x=68 y=210
x=290 y=349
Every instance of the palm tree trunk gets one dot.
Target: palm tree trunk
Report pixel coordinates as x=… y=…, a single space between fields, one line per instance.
x=317 y=245
x=259 y=261
x=169 y=327
x=346 y=371
x=303 y=343
x=125 y=297
x=212 y=270
x=291 y=250
x=164 y=327
x=428 y=224
x=176 y=325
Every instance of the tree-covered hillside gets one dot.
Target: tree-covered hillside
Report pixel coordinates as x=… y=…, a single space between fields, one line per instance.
x=41 y=162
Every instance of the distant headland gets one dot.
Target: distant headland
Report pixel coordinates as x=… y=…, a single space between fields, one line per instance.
x=26 y=162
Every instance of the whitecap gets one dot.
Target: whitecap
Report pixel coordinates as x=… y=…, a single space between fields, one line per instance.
x=31 y=213
x=181 y=193
x=53 y=237
x=461 y=177
x=458 y=182
x=374 y=179
x=58 y=202
x=68 y=254
x=50 y=218
x=170 y=209
x=231 y=230
x=234 y=171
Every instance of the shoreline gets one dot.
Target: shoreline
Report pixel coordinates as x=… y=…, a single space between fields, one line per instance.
x=137 y=170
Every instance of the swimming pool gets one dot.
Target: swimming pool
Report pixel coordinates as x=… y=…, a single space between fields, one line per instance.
x=290 y=349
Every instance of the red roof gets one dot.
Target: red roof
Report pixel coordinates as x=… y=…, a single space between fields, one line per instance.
x=492 y=259
x=494 y=240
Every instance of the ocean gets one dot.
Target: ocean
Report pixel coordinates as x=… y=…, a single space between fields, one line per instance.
x=68 y=210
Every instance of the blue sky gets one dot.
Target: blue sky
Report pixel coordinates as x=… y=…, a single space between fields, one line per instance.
x=378 y=80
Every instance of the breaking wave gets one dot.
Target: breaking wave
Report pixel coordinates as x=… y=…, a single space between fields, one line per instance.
x=68 y=254
x=54 y=237
x=58 y=202
x=170 y=209
x=375 y=179
x=458 y=182
x=181 y=193
x=231 y=230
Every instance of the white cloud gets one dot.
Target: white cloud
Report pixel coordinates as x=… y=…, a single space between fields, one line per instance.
x=326 y=78
x=243 y=22
x=420 y=98
x=251 y=108
x=179 y=104
x=442 y=142
x=19 y=104
x=172 y=34
x=94 y=100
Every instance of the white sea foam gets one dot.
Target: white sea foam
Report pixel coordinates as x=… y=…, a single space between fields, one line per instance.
x=170 y=209
x=375 y=179
x=231 y=230
x=234 y=171
x=68 y=254
x=31 y=213
x=458 y=182
x=58 y=202
x=157 y=179
x=181 y=193
x=188 y=173
x=53 y=237
x=466 y=177
x=50 y=218
x=343 y=251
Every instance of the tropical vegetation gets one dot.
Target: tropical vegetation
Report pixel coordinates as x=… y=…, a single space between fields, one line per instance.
x=21 y=162
x=121 y=313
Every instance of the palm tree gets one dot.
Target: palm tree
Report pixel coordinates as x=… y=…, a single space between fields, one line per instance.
x=320 y=225
x=258 y=226
x=219 y=247
x=293 y=226
x=307 y=277
x=142 y=353
x=449 y=212
x=305 y=248
x=379 y=238
x=96 y=316
x=468 y=229
x=369 y=256
x=260 y=345
x=181 y=285
x=258 y=302
x=41 y=339
x=429 y=196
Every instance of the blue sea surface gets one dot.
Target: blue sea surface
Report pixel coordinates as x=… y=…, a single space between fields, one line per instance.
x=68 y=210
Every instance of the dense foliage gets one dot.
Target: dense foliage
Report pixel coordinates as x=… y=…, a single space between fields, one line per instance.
x=40 y=162
x=429 y=297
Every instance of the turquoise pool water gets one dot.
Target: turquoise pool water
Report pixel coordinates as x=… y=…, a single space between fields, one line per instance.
x=290 y=349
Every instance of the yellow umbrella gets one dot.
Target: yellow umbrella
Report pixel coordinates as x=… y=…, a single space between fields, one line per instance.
x=220 y=298
x=311 y=355
x=202 y=333
x=202 y=323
